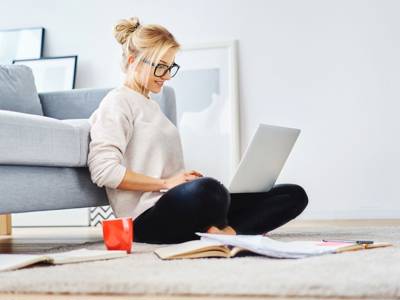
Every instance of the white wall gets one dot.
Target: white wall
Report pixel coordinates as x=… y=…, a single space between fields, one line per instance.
x=331 y=68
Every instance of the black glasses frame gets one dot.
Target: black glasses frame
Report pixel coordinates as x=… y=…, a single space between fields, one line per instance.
x=168 y=68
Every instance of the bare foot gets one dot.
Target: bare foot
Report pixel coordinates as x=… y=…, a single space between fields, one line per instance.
x=215 y=230
x=229 y=230
x=226 y=230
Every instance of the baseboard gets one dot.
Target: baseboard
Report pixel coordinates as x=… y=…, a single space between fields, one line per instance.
x=312 y=214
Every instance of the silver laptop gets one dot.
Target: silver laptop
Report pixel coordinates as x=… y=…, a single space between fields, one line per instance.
x=263 y=159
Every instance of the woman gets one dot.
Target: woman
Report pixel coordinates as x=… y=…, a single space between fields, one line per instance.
x=135 y=152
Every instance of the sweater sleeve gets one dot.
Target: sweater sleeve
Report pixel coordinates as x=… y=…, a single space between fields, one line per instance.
x=110 y=132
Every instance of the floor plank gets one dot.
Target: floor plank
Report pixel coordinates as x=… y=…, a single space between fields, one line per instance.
x=38 y=239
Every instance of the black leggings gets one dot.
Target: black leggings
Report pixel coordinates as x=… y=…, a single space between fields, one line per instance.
x=196 y=205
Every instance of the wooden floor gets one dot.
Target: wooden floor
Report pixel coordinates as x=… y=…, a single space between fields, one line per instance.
x=37 y=239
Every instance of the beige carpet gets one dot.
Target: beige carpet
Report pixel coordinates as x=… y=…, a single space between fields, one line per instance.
x=371 y=273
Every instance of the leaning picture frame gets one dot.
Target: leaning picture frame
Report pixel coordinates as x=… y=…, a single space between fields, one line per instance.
x=21 y=43
x=52 y=73
x=207 y=98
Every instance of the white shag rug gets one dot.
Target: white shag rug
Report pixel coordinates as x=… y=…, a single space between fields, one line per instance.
x=371 y=273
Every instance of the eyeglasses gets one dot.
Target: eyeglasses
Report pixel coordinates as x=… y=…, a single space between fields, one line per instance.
x=161 y=69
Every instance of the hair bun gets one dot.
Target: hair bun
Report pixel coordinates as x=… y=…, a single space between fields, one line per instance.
x=124 y=28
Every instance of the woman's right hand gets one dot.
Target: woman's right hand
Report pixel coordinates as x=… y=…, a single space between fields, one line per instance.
x=182 y=178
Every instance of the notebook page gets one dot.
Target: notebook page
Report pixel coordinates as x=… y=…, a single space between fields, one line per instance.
x=266 y=246
x=185 y=247
x=84 y=254
x=16 y=261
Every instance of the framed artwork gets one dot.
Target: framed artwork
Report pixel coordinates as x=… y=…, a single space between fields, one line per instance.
x=52 y=73
x=21 y=43
x=207 y=98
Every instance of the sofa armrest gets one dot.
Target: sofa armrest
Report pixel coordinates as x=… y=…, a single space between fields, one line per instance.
x=27 y=139
x=72 y=104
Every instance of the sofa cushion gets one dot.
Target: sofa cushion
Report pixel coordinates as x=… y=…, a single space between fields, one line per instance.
x=72 y=104
x=32 y=140
x=18 y=91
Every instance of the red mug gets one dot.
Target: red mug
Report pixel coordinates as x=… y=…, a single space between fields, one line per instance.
x=118 y=233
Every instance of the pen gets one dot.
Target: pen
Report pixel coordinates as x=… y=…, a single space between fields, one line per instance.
x=350 y=241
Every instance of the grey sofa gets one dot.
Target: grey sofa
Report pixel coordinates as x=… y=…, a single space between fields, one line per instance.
x=44 y=143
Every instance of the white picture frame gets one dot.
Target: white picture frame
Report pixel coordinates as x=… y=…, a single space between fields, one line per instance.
x=207 y=96
x=21 y=43
x=52 y=73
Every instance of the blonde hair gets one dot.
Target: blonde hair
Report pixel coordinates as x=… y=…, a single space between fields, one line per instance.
x=149 y=42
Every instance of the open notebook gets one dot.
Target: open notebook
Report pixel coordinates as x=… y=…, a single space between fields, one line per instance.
x=222 y=245
x=16 y=261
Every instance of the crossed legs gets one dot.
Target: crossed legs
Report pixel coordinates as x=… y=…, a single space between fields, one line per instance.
x=205 y=205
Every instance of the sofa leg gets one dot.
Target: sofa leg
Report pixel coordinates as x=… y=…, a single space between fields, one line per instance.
x=5 y=225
